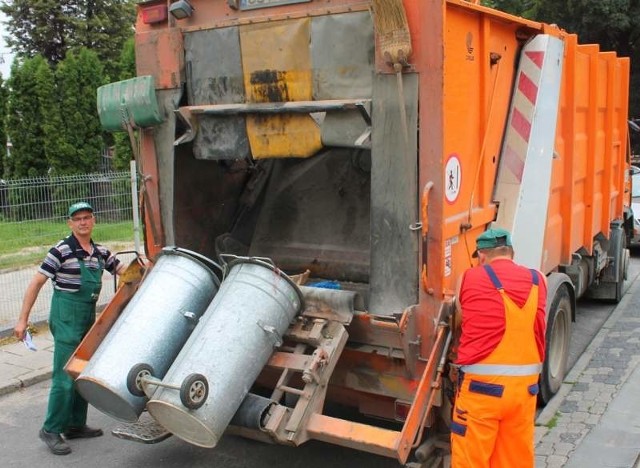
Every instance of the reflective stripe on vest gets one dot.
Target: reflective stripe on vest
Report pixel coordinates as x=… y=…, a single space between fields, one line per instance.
x=502 y=369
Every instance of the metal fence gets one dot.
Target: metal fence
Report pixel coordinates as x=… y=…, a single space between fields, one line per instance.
x=33 y=214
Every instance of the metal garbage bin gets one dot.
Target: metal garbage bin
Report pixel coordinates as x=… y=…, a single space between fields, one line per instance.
x=150 y=332
x=224 y=355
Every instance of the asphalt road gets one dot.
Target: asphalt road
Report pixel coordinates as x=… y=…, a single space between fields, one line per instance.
x=21 y=416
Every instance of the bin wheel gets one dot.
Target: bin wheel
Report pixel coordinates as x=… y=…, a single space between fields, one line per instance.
x=194 y=391
x=135 y=376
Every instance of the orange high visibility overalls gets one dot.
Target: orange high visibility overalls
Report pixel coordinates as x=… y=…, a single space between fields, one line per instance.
x=493 y=417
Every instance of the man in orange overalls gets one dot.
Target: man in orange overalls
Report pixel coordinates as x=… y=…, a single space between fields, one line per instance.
x=499 y=358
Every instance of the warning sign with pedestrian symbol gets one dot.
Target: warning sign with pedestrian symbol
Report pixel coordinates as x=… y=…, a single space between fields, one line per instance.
x=453 y=178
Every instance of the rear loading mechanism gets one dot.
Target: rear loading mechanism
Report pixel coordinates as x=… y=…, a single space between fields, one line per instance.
x=302 y=366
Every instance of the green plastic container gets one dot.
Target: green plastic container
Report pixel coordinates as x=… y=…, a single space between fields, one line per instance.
x=131 y=101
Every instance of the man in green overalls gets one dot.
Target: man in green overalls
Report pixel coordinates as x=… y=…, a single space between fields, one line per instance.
x=75 y=266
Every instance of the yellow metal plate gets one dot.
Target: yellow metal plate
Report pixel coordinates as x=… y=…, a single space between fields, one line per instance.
x=276 y=63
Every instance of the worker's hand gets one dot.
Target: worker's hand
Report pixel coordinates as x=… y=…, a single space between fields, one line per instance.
x=20 y=329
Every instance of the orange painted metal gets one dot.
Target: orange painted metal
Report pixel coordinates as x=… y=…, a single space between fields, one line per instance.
x=160 y=53
x=216 y=14
x=382 y=441
x=422 y=401
x=150 y=200
x=353 y=435
x=587 y=186
x=374 y=373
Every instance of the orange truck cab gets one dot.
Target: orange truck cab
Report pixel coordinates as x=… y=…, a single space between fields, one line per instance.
x=365 y=152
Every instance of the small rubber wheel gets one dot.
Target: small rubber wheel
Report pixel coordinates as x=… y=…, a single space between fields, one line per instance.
x=194 y=391
x=135 y=376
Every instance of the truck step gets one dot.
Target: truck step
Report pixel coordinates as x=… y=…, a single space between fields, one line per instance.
x=145 y=431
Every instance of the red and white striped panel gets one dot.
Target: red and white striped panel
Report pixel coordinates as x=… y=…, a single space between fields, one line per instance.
x=522 y=113
x=524 y=173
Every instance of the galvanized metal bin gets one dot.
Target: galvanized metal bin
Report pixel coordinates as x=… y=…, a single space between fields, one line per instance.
x=233 y=341
x=150 y=332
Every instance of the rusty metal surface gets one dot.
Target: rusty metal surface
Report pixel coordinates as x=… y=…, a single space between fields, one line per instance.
x=329 y=304
x=160 y=54
x=342 y=49
x=277 y=67
x=214 y=76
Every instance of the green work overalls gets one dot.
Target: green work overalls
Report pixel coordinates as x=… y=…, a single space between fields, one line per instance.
x=72 y=314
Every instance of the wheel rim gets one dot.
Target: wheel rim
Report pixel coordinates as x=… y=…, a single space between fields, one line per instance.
x=141 y=375
x=558 y=343
x=197 y=391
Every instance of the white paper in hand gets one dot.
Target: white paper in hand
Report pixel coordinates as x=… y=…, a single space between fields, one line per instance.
x=28 y=341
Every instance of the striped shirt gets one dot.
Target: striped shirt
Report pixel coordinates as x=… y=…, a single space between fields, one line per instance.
x=63 y=267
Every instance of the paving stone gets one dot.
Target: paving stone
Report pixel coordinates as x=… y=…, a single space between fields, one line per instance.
x=593 y=419
x=580 y=387
x=576 y=427
x=556 y=461
x=564 y=449
x=545 y=449
x=568 y=407
x=598 y=408
x=570 y=437
x=579 y=416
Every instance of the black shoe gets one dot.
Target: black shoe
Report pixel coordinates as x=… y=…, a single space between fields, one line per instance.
x=84 y=432
x=55 y=442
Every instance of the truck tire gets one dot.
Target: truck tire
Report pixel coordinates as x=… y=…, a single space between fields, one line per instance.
x=557 y=348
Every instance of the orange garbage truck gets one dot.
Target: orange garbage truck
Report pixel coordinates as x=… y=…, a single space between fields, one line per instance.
x=345 y=154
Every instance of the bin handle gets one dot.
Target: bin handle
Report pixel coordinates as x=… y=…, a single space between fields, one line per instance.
x=203 y=258
x=223 y=257
x=122 y=252
x=239 y=257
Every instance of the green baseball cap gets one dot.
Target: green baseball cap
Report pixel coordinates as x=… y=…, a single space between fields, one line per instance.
x=80 y=206
x=492 y=238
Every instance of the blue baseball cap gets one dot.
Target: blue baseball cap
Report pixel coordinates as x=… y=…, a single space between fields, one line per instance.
x=492 y=238
x=80 y=206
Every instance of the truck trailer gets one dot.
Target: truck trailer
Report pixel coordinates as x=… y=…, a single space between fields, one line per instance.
x=348 y=153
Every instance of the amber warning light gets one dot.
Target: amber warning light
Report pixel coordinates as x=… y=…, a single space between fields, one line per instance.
x=154 y=14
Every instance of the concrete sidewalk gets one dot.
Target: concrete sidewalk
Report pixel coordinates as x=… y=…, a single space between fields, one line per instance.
x=594 y=420
x=21 y=367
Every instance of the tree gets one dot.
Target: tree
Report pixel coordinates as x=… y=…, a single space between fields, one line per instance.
x=104 y=26
x=612 y=24
x=51 y=28
x=37 y=27
x=72 y=126
x=524 y=8
x=122 y=143
x=30 y=94
x=3 y=134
